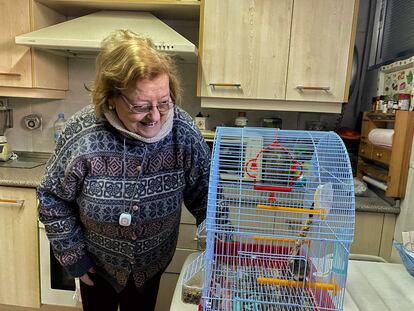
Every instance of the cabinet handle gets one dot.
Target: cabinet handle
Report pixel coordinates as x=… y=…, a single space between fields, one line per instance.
x=313 y=88
x=379 y=155
x=14 y=74
x=236 y=85
x=18 y=203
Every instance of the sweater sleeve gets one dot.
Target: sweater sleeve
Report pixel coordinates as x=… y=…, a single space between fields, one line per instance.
x=58 y=210
x=197 y=179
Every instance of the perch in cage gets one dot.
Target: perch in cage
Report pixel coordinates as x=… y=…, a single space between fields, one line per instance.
x=280 y=221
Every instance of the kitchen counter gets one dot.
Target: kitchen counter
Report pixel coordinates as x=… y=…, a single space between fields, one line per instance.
x=370 y=286
x=26 y=171
x=30 y=177
x=372 y=203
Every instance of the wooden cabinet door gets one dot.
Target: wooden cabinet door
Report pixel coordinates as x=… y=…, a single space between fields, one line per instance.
x=15 y=60
x=368 y=230
x=321 y=50
x=244 y=48
x=26 y=72
x=166 y=291
x=50 y=71
x=19 y=244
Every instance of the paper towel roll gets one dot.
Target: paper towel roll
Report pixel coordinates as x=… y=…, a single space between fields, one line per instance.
x=381 y=137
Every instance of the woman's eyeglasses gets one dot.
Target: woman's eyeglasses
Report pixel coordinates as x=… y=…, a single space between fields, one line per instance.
x=162 y=107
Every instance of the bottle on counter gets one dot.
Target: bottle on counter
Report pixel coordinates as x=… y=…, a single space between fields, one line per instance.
x=241 y=120
x=382 y=104
x=58 y=126
x=395 y=105
x=390 y=104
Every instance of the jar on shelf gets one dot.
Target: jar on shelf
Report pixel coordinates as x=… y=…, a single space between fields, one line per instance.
x=404 y=101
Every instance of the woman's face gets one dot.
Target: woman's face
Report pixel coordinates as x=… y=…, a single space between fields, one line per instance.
x=137 y=108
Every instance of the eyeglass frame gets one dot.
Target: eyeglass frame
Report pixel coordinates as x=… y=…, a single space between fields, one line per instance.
x=147 y=108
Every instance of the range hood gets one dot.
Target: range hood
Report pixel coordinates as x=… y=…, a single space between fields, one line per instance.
x=82 y=36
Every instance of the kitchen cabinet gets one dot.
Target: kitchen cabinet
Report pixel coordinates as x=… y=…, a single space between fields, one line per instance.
x=25 y=72
x=289 y=54
x=374 y=234
x=244 y=51
x=321 y=50
x=165 y=9
x=19 y=244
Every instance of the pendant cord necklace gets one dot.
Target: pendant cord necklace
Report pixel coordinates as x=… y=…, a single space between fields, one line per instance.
x=126 y=217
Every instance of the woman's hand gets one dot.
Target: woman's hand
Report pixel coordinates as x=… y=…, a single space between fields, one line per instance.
x=86 y=279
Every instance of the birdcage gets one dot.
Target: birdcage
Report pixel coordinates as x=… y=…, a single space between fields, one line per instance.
x=280 y=221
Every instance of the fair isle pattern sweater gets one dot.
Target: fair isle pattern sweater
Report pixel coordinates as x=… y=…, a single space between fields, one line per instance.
x=96 y=174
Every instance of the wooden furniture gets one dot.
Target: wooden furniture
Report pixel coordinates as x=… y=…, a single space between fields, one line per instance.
x=19 y=260
x=25 y=72
x=186 y=245
x=388 y=165
x=291 y=55
x=168 y=9
x=42 y=308
x=374 y=233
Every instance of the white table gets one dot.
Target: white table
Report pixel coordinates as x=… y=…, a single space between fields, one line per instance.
x=370 y=286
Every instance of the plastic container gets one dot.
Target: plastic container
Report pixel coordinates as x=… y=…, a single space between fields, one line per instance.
x=192 y=283
x=59 y=126
x=201 y=236
x=407 y=257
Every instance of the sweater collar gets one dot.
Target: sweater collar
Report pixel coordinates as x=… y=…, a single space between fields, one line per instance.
x=113 y=119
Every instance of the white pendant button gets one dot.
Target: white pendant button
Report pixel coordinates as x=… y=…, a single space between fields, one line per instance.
x=125 y=219
x=135 y=207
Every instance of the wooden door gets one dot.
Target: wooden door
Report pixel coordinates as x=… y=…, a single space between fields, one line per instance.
x=19 y=244
x=244 y=48
x=15 y=60
x=322 y=42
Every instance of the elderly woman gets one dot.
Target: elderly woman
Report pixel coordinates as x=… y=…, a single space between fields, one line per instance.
x=111 y=197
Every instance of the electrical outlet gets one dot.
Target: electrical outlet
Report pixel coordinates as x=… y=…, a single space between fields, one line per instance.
x=33 y=121
x=4 y=102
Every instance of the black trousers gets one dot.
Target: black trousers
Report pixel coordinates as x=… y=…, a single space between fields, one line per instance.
x=103 y=297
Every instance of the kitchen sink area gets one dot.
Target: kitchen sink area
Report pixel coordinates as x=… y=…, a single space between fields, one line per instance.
x=26 y=160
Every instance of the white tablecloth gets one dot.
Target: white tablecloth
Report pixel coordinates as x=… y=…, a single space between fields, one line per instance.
x=370 y=286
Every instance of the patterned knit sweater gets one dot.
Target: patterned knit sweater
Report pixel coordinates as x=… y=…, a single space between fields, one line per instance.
x=96 y=174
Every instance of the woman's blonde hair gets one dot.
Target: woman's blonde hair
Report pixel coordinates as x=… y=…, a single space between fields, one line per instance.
x=124 y=59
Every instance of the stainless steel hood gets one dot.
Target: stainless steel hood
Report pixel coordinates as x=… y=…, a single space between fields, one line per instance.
x=82 y=36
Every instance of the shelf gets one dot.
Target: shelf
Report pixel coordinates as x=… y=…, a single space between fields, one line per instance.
x=389 y=165
x=163 y=9
x=379 y=116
